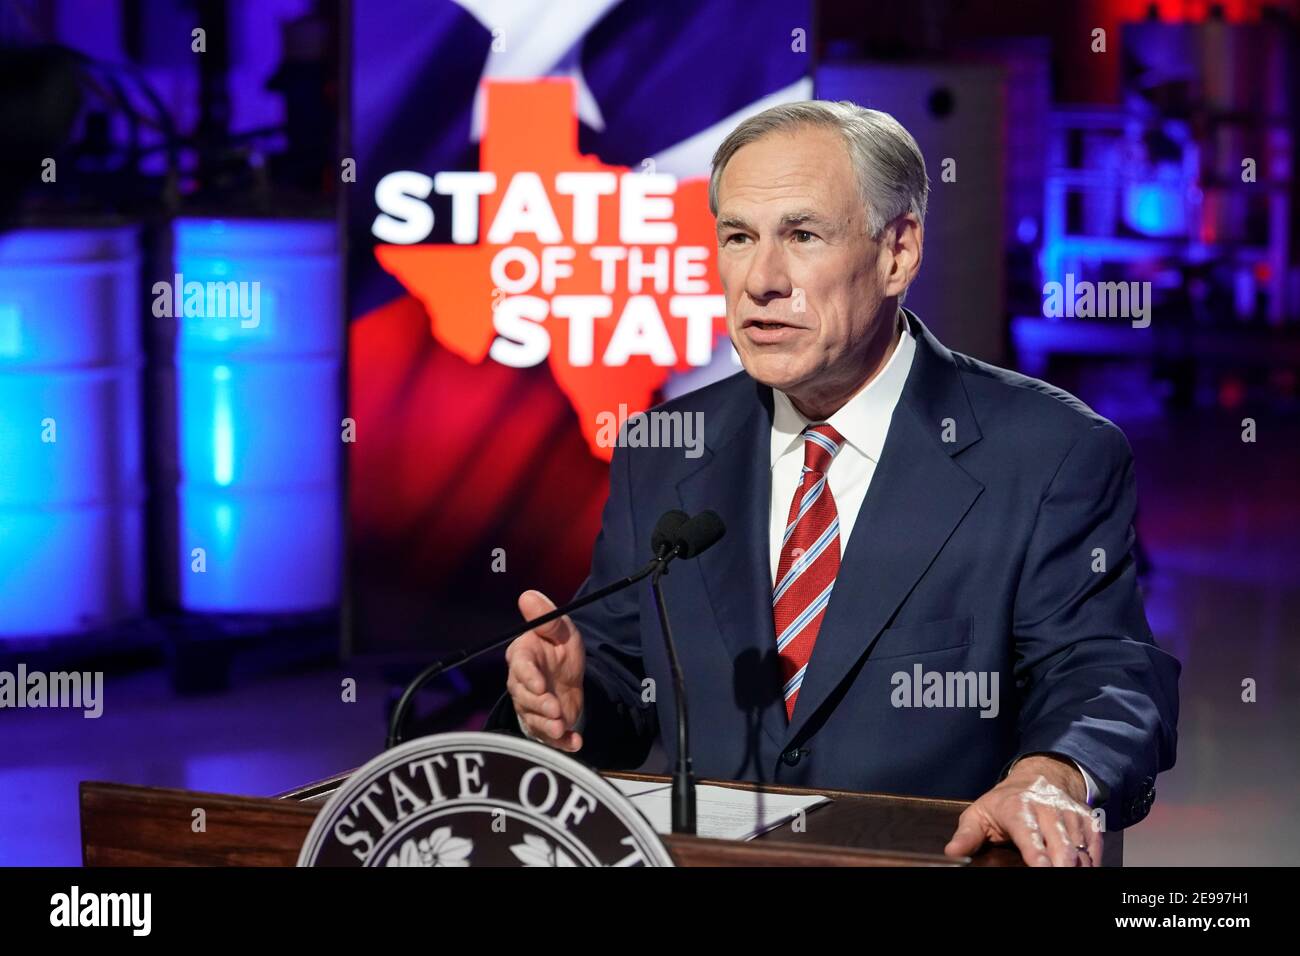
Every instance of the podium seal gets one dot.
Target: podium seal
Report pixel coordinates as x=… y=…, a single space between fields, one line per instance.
x=479 y=799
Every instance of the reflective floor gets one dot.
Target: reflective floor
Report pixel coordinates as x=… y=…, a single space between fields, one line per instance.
x=261 y=738
x=1219 y=518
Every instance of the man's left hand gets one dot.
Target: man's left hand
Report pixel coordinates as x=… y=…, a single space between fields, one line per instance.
x=1040 y=807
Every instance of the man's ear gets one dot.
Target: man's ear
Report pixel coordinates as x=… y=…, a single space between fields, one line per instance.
x=904 y=239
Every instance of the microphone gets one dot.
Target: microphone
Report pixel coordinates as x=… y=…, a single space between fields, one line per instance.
x=667 y=536
x=692 y=539
x=699 y=534
x=666 y=532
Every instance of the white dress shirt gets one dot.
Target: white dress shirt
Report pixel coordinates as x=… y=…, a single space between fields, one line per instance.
x=863 y=421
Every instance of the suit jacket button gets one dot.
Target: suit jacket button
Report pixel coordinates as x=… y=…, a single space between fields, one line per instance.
x=791 y=756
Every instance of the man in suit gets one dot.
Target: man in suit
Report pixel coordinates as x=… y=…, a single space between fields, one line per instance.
x=927 y=583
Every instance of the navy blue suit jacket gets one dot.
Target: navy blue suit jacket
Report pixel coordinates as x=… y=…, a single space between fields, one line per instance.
x=996 y=537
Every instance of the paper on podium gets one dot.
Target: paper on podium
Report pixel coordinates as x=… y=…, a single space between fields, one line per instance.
x=721 y=813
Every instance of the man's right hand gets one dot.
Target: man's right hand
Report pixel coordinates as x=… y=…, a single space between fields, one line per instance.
x=545 y=677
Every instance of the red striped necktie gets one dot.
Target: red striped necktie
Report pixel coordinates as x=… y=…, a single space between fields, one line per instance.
x=810 y=560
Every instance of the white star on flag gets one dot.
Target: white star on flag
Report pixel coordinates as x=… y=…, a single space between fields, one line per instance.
x=530 y=39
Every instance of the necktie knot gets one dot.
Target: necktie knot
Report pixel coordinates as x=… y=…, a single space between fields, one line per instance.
x=821 y=443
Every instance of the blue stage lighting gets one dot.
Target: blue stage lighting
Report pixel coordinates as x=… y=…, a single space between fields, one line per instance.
x=259 y=405
x=71 y=479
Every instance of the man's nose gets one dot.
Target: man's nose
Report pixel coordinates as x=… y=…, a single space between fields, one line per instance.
x=767 y=277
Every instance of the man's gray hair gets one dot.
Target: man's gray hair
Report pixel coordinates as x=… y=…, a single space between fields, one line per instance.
x=886 y=160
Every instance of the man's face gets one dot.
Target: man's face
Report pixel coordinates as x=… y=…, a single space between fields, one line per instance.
x=804 y=281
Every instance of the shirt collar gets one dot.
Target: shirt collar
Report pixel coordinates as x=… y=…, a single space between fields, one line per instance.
x=864 y=419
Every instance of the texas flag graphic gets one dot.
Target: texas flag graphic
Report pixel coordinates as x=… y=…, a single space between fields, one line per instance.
x=531 y=254
x=605 y=274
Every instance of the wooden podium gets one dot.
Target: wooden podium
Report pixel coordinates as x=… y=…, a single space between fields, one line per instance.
x=125 y=825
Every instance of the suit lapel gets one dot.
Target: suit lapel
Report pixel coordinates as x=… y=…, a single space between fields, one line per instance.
x=917 y=498
x=736 y=482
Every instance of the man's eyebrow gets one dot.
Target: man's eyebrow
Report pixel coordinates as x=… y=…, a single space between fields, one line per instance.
x=732 y=222
x=802 y=217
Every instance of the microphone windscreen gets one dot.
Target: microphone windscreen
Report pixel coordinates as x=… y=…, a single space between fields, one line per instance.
x=665 y=533
x=699 y=534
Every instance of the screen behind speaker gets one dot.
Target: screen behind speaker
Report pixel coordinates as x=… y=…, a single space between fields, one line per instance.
x=954 y=112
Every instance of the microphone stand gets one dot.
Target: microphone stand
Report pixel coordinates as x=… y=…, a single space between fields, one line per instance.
x=683 y=788
x=683 y=795
x=462 y=656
